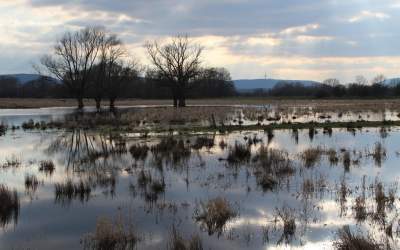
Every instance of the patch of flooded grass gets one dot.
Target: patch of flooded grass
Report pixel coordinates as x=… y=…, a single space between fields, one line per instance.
x=177 y=242
x=67 y=191
x=12 y=162
x=3 y=129
x=311 y=156
x=287 y=216
x=171 y=150
x=47 y=166
x=214 y=214
x=203 y=142
x=111 y=235
x=378 y=153
x=31 y=183
x=349 y=241
x=139 y=151
x=9 y=206
x=238 y=153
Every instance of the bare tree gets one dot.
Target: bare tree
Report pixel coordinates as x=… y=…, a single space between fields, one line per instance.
x=73 y=59
x=361 y=80
x=379 y=79
x=332 y=82
x=177 y=61
x=118 y=75
x=111 y=50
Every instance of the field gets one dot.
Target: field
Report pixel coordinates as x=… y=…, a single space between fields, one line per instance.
x=11 y=103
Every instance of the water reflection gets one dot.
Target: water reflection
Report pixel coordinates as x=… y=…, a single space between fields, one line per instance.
x=284 y=190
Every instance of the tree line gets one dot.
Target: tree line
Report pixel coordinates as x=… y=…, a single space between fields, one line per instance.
x=211 y=83
x=332 y=88
x=93 y=63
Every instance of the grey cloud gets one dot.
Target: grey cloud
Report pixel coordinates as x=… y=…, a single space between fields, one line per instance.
x=242 y=19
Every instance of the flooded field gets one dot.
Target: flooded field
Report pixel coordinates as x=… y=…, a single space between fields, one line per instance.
x=260 y=189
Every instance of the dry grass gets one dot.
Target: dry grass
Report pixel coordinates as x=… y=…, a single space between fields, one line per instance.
x=31 y=183
x=287 y=217
x=360 y=209
x=379 y=153
x=47 y=167
x=318 y=104
x=151 y=187
x=271 y=165
x=349 y=241
x=177 y=242
x=214 y=214
x=139 y=151
x=67 y=191
x=3 y=129
x=171 y=150
x=12 y=162
x=274 y=161
x=9 y=205
x=203 y=141
x=311 y=156
x=346 y=160
x=332 y=157
x=238 y=153
x=111 y=235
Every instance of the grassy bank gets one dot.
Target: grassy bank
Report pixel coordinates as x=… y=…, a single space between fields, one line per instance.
x=12 y=103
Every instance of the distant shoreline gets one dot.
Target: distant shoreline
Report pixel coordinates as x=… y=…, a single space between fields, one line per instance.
x=26 y=103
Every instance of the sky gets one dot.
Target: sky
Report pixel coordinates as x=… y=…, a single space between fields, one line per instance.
x=284 y=39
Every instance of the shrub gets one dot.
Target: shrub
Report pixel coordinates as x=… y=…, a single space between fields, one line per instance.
x=9 y=205
x=238 y=153
x=348 y=241
x=111 y=235
x=139 y=152
x=214 y=215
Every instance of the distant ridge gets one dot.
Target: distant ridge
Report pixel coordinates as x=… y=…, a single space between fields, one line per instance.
x=24 y=78
x=251 y=84
x=245 y=85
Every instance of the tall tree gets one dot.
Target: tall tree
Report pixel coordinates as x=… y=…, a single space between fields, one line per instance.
x=379 y=79
x=111 y=51
x=118 y=75
x=177 y=61
x=73 y=59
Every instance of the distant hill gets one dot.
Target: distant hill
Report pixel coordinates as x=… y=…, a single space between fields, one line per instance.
x=24 y=78
x=251 y=84
x=392 y=82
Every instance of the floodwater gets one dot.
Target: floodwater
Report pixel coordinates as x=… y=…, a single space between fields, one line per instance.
x=319 y=195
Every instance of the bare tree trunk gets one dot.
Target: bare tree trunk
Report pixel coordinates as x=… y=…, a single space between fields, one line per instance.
x=112 y=103
x=80 y=102
x=175 y=96
x=182 y=99
x=98 y=103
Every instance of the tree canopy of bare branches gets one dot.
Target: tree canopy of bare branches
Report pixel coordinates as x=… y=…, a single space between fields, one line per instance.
x=73 y=58
x=178 y=62
x=91 y=60
x=113 y=71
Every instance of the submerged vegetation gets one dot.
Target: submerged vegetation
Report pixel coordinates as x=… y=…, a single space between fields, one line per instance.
x=111 y=235
x=9 y=206
x=177 y=242
x=214 y=214
x=239 y=153
x=65 y=192
x=349 y=241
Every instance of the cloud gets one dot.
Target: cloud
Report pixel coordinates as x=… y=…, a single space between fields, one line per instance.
x=365 y=14
x=299 y=29
x=296 y=38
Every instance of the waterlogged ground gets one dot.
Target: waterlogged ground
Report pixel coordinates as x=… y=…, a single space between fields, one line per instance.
x=294 y=190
